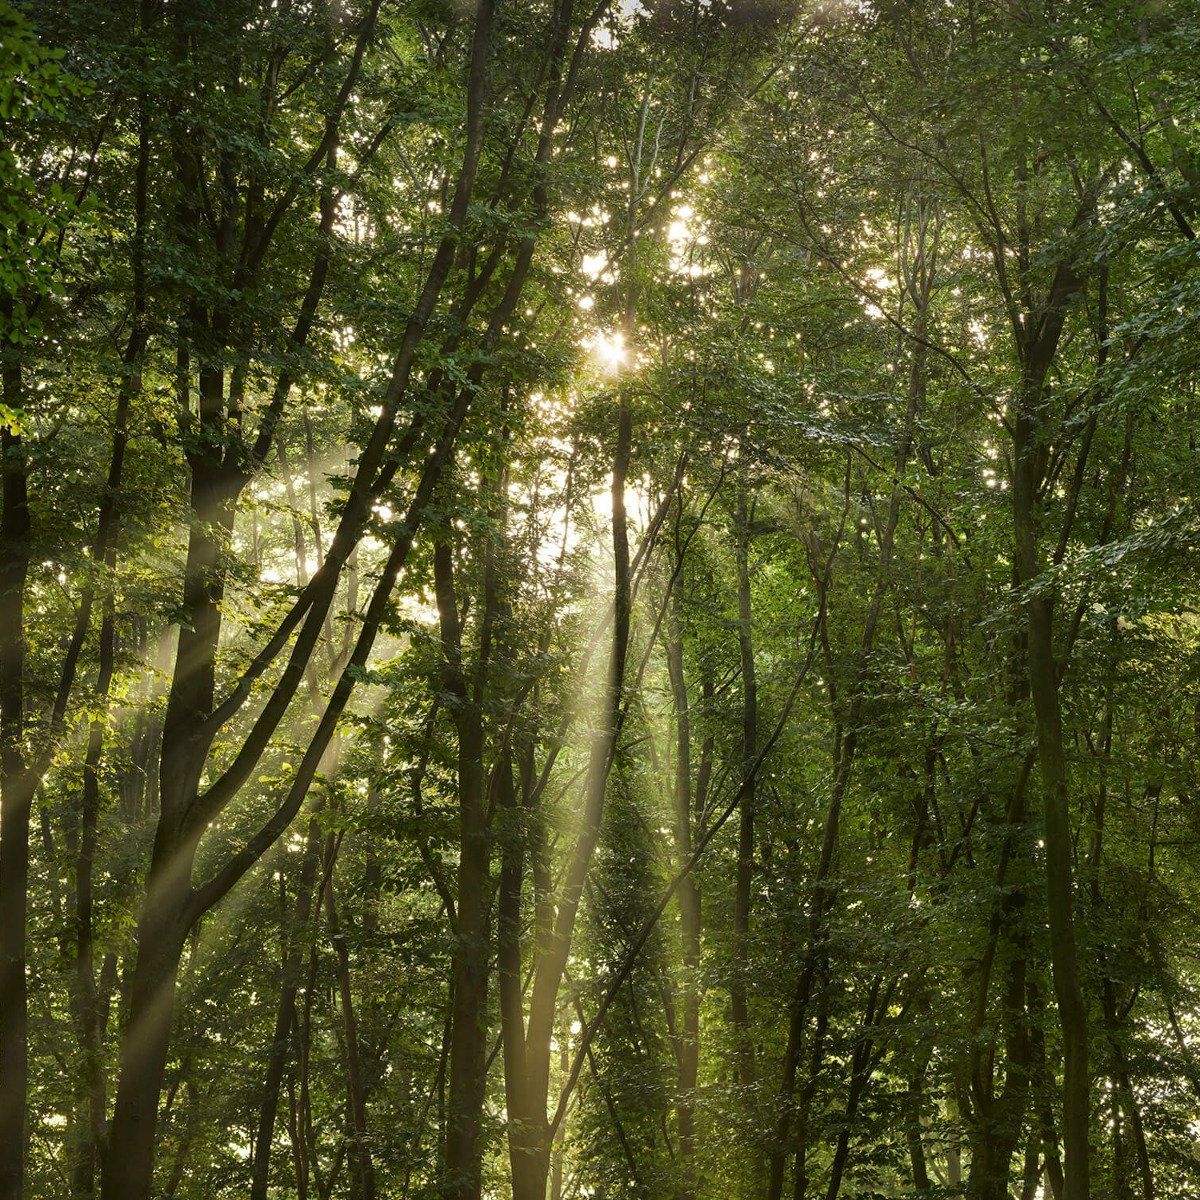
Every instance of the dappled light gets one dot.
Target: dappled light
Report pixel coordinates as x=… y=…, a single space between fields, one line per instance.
x=598 y=602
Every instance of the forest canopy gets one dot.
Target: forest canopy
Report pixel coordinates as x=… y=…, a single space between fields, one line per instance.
x=598 y=601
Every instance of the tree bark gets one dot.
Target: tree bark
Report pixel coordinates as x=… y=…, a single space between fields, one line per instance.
x=739 y=1002
x=690 y=913
x=472 y=934
x=17 y=781
x=1029 y=449
x=1037 y=338
x=281 y=1041
x=356 y=1090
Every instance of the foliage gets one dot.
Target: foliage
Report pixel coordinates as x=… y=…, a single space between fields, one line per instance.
x=480 y=834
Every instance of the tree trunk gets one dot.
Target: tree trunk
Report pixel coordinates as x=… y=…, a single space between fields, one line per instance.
x=1043 y=685
x=999 y=1120
x=260 y=1169
x=17 y=784
x=996 y=1121
x=162 y=932
x=914 y=1134
x=472 y=922
x=690 y=913
x=104 y=550
x=356 y=1091
x=739 y=1002
x=468 y=1022
x=530 y=1132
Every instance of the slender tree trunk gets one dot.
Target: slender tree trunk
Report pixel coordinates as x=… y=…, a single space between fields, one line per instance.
x=1037 y=333
x=814 y=951
x=999 y=1120
x=470 y=968
x=522 y=1128
x=530 y=1131
x=1043 y=685
x=996 y=1120
x=1123 y=1092
x=808 y=1093
x=1122 y=1085
x=86 y=1004
x=690 y=913
x=260 y=1169
x=1044 y=1086
x=92 y=1123
x=356 y=1091
x=1031 y=1171
x=162 y=934
x=914 y=1134
x=739 y=1002
x=864 y=1060
x=17 y=782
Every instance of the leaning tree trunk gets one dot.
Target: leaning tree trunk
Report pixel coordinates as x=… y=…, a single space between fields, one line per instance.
x=528 y=1048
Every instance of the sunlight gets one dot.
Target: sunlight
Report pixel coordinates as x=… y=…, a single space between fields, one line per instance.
x=594 y=266
x=602 y=503
x=609 y=351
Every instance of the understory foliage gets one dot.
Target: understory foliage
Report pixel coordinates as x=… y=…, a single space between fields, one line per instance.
x=598 y=600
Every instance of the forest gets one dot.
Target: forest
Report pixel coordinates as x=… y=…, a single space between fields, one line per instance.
x=598 y=599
